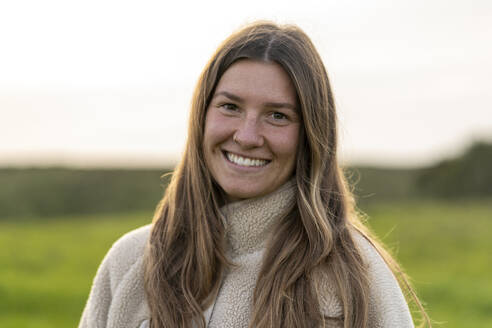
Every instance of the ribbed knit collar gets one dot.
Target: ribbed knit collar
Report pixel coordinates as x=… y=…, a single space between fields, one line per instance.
x=249 y=222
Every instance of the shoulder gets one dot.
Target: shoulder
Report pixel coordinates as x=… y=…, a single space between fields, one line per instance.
x=380 y=274
x=387 y=304
x=127 y=251
x=370 y=254
x=132 y=242
x=381 y=279
x=118 y=284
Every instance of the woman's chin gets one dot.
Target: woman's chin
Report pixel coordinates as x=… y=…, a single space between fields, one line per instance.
x=238 y=194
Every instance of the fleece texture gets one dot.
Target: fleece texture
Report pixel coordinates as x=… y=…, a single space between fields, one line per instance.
x=117 y=298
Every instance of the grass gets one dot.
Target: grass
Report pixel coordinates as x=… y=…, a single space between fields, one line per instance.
x=445 y=248
x=47 y=266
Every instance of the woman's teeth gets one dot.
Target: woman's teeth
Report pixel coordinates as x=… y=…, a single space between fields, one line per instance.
x=244 y=161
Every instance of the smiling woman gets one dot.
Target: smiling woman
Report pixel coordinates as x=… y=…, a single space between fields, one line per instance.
x=256 y=228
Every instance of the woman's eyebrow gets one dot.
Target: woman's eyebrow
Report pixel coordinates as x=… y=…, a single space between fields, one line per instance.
x=228 y=95
x=267 y=104
x=280 y=105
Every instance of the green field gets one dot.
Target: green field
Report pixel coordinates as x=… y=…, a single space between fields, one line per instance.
x=446 y=249
x=46 y=266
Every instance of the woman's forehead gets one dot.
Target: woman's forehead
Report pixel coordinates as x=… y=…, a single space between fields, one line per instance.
x=252 y=78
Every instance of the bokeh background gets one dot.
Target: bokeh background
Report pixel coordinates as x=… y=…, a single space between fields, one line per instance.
x=94 y=99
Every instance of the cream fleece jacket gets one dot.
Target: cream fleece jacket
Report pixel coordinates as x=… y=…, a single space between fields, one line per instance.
x=117 y=298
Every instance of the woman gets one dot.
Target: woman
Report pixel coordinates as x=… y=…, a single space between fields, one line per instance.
x=256 y=228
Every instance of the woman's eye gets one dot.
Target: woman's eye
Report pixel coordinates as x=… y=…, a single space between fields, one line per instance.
x=228 y=106
x=279 y=116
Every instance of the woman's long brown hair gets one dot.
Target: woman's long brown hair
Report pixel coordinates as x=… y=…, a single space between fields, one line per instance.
x=186 y=254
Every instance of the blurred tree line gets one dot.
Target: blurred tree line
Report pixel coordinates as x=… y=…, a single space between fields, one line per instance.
x=37 y=192
x=44 y=192
x=464 y=177
x=467 y=176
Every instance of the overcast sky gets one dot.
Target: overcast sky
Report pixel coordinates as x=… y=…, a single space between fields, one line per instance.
x=108 y=83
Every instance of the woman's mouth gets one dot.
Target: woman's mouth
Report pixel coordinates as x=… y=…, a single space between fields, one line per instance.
x=245 y=161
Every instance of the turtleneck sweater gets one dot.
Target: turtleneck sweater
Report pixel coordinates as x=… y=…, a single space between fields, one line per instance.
x=117 y=298
x=248 y=225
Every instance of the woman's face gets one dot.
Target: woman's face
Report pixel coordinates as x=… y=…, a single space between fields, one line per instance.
x=252 y=129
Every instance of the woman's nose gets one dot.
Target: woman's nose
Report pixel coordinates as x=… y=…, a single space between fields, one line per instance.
x=248 y=134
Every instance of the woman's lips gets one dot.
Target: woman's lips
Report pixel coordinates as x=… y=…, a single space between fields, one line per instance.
x=245 y=161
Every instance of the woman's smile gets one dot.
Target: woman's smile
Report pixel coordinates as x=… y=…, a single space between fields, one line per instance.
x=245 y=161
